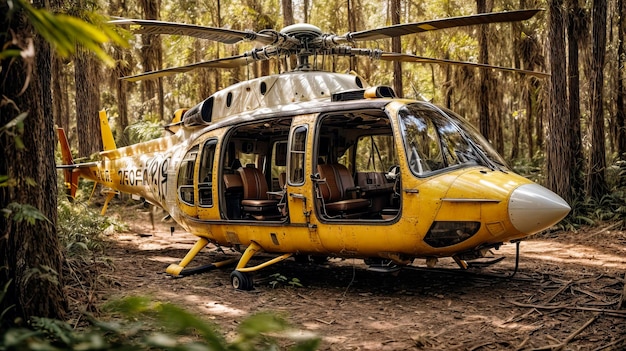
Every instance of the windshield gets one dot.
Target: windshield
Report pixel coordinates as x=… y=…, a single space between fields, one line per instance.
x=436 y=139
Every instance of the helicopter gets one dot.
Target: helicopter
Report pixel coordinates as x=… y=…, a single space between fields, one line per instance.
x=317 y=164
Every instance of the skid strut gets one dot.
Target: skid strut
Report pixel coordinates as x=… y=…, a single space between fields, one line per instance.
x=180 y=270
x=240 y=277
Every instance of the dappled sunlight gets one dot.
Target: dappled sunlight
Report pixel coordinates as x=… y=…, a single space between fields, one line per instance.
x=203 y=305
x=570 y=253
x=164 y=259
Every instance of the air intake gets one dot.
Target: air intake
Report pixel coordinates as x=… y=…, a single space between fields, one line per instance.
x=356 y=94
x=200 y=114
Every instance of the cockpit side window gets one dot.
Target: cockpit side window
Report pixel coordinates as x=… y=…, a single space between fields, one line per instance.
x=185 y=177
x=435 y=141
x=205 y=180
x=297 y=155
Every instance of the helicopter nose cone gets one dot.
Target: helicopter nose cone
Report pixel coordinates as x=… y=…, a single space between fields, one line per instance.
x=533 y=208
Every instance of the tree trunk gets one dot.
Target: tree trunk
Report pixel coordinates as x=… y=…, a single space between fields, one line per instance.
x=123 y=61
x=152 y=60
x=621 y=92
x=87 y=103
x=396 y=46
x=558 y=153
x=483 y=92
x=596 y=182
x=29 y=253
x=287 y=12
x=573 y=34
x=61 y=116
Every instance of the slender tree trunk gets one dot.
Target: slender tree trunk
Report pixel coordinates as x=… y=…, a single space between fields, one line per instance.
x=218 y=22
x=152 y=59
x=596 y=182
x=87 y=103
x=483 y=92
x=61 y=116
x=621 y=92
x=558 y=153
x=123 y=63
x=287 y=12
x=573 y=33
x=29 y=253
x=396 y=46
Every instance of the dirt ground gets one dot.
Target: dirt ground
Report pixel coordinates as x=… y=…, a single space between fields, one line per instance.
x=566 y=294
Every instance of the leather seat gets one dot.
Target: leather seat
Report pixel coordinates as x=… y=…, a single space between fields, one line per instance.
x=255 y=198
x=338 y=190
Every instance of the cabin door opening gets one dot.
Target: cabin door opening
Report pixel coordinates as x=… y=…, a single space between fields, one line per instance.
x=357 y=167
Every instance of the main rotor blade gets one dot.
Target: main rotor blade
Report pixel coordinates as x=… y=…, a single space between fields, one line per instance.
x=418 y=27
x=390 y=56
x=222 y=35
x=227 y=62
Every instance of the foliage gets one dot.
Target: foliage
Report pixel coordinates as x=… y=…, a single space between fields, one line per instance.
x=23 y=212
x=277 y=279
x=65 y=32
x=15 y=128
x=610 y=207
x=80 y=228
x=147 y=325
x=143 y=131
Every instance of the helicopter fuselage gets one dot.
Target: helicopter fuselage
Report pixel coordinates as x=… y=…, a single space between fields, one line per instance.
x=317 y=163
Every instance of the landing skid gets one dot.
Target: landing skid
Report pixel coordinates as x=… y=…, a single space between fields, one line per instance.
x=464 y=265
x=240 y=278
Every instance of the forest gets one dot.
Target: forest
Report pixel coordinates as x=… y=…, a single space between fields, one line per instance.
x=516 y=112
x=565 y=130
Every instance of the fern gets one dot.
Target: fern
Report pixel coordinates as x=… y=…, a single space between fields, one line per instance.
x=23 y=212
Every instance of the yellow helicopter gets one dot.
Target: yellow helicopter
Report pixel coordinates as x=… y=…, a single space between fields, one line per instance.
x=311 y=163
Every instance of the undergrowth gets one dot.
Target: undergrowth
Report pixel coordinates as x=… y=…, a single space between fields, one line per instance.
x=588 y=211
x=141 y=324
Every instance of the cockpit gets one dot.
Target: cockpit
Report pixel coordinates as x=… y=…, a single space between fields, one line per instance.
x=437 y=140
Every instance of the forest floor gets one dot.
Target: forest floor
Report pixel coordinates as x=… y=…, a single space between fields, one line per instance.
x=566 y=293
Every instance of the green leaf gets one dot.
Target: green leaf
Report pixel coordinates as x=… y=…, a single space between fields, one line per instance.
x=262 y=323
x=16 y=122
x=4 y=54
x=24 y=212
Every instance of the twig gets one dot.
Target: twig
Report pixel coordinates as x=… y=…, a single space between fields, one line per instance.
x=565 y=286
x=574 y=334
x=603 y=230
x=611 y=344
x=561 y=344
x=589 y=293
x=520 y=346
x=575 y=308
x=325 y=322
x=519 y=317
x=622 y=300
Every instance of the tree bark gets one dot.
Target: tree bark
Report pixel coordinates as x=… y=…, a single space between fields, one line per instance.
x=287 y=12
x=396 y=46
x=152 y=60
x=573 y=72
x=558 y=150
x=621 y=92
x=29 y=253
x=87 y=103
x=483 y=92
x=596 y=185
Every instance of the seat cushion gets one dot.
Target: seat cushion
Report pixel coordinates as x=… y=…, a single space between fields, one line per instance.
x=259 y=205
x=347 y=205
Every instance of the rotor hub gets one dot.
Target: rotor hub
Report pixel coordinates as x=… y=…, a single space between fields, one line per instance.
x=302 y=31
